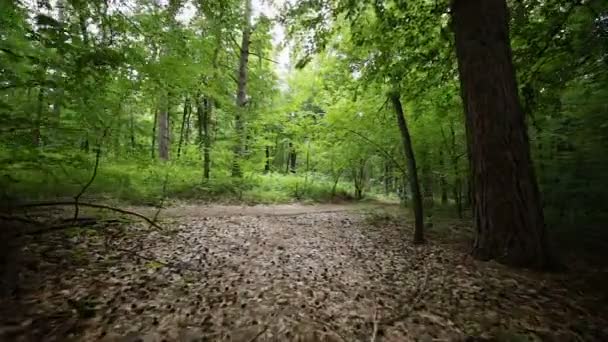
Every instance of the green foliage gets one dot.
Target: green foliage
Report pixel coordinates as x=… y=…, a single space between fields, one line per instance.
x=92 y=75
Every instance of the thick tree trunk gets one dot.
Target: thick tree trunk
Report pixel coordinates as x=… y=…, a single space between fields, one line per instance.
x=411 y=169
x=241 y=94
x=508 y=216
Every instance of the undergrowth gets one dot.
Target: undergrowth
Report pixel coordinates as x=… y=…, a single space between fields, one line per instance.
x=144 y=183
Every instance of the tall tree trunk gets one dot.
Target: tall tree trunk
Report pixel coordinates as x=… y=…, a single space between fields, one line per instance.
x=411 y=169
x=241 y=94
x=292 y=158
x=163 y=132
x=153 y=145
x=183 y=127
x=58 y=92
x=509 y=220
x=188 y=124
x=207 y=111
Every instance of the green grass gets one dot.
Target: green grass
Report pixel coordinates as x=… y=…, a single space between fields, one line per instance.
x=145 y=183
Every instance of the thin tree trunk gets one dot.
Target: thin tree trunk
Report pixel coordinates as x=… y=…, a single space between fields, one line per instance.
x=153 y=145
x=163 y=130
x=241 y=94
x=336 y=180
x=292 y=159
x=207 y=110
x=411 y=169
x=387 y=177
x=508 y=216
x=267 y=163
x=183 y=127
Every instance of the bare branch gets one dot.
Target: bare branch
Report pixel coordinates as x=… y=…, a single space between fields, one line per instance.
x=90 y=205
x=377 y=146
x=88 y=184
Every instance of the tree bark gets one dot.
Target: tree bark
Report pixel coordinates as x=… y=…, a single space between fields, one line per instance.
x=241 y=94
x=411 y=169
x=508 y=217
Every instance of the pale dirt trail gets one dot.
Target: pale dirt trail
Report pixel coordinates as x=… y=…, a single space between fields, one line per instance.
x=213 y=210
x=277 y=273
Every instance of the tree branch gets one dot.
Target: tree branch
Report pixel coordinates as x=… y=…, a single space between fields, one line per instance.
x=378 y=147
x=88 y=184
x=90 y=205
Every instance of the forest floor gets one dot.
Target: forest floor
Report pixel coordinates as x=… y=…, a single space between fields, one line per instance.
x=285 y=273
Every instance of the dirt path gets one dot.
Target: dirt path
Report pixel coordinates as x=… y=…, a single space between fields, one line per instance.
x=279 y=273
x=293 y=209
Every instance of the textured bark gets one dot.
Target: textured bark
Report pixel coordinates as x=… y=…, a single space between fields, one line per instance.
x=241 y=94
x=411 y=169
x=508 y=217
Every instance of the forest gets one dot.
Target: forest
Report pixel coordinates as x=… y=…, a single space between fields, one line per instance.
x=303 y=170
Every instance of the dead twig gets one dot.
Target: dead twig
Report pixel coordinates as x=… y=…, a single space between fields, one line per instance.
x=88 y=184
x=375 y=329
x=255 y=337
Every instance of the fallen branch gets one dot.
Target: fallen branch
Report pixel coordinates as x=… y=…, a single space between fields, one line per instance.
x=375 y=329
x=90 y=205
x=88 y=184
x=255 y=337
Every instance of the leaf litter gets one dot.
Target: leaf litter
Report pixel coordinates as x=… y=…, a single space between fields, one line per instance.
x=305 y=276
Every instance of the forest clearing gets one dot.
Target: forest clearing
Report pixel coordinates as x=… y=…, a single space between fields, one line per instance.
x=303 y=170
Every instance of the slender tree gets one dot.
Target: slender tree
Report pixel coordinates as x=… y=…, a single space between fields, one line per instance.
x=411 y=168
